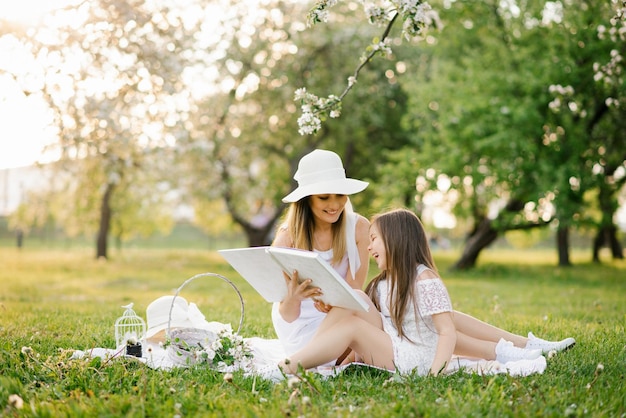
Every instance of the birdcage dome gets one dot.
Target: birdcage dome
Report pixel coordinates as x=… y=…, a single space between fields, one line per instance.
x=129 y=327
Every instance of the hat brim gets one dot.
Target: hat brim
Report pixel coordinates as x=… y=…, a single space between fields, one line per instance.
x=159 y=316
x=344 y=186
x=162 y=324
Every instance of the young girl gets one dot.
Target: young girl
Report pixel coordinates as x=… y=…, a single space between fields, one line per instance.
x=410 y=325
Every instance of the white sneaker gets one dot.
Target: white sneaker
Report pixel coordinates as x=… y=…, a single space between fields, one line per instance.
x=506 y=351
x=526 y=367
x=545 y=346
x=272 y=373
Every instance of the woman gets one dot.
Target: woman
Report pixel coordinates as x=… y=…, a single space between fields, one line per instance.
x=320 y=219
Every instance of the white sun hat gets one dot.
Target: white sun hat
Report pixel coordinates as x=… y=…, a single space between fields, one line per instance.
x=322 y=172
x=185 y=316
x=158 y=314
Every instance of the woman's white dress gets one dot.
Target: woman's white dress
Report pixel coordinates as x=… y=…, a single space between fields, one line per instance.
x=295 y=335
x=418 y=350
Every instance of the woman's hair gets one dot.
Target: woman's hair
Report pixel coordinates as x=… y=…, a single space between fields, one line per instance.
x=406 y=247
x=301 y=226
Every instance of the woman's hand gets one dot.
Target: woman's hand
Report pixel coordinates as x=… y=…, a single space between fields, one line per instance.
x=296 y=292
x=300 y=290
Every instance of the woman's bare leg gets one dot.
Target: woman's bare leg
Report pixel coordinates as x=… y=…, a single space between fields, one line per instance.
x=371 y=343
x=480 y=330
x=335 y=314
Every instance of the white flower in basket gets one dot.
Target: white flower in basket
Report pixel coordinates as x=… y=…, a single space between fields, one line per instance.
x=222 y=351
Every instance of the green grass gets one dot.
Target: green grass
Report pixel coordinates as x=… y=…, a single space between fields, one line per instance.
x=53 y=301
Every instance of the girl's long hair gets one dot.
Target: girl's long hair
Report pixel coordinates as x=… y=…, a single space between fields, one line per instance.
x=406 y=247
x=301 y=226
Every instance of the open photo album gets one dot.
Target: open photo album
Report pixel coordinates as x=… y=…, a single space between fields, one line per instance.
x=263 y=268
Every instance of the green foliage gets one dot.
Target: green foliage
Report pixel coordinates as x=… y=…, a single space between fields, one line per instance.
x=52 y=302
x=203 y=103
x=483 y=110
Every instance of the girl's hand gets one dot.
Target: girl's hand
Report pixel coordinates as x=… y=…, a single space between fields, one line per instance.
x=445 y=344
x=322 y=307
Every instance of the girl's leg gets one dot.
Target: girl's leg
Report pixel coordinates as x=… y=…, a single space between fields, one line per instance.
x=371 y=343
x=471 y=347
x=480 y=330
x=503 y=351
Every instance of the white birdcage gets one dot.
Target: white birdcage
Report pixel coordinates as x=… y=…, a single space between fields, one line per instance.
x=129 y=327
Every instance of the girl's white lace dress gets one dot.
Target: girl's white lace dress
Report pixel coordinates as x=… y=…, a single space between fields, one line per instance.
x=418 y=350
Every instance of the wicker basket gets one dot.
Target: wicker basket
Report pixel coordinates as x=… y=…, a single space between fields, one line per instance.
x=183 y=340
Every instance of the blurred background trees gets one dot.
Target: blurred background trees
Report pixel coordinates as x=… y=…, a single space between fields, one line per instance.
x=510 y=116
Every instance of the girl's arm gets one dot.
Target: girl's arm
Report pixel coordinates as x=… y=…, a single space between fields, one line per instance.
x=446 y=343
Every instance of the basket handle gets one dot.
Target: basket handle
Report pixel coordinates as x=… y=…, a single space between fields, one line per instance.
x=197 y=276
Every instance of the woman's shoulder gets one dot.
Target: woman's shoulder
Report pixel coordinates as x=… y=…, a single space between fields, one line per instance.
x=362 y=224
x=361 y=220
x=282 y=238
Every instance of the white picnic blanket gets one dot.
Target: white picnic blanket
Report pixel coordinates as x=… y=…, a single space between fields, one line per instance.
x=264 y=352
x=270 y=351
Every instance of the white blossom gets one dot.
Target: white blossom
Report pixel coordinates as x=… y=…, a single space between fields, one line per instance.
x=376 y=15
x=216 y=345
x=16 y=401
x=300 y=94
x=293 y=382
x=415 y=15
x=320 y=12
x=210 y=354
x=308 y=123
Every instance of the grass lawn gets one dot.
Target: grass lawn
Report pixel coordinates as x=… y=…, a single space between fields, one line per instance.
x=53 y=301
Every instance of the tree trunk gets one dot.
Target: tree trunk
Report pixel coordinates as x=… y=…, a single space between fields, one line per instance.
x=562 y=243
x=607 y=236
x=19 y=235
x=616 y=247
x=259 y=236
x=482 y=236
x=105 y=222
x=607 y=232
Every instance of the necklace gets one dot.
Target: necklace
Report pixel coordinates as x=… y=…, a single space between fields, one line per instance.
x=318 y=246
